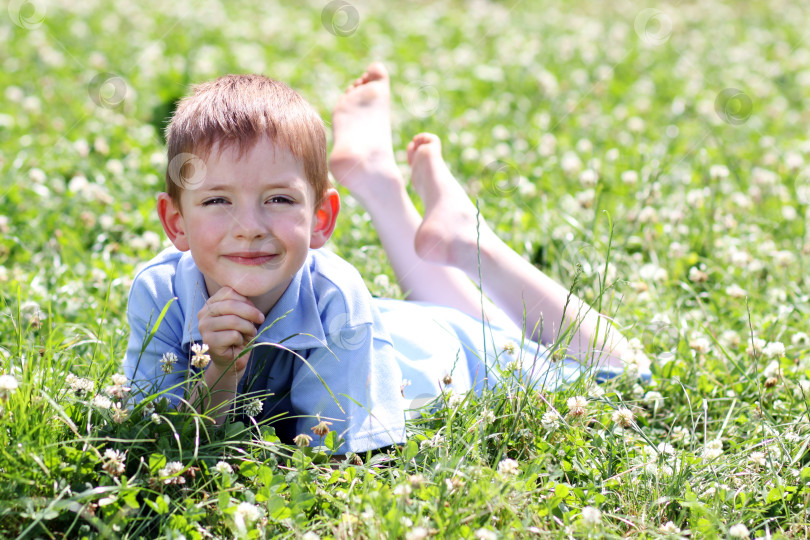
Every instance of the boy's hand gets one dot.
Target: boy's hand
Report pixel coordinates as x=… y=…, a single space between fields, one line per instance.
x=227 y=324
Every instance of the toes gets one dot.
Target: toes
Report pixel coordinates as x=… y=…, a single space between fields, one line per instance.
x=376 y=72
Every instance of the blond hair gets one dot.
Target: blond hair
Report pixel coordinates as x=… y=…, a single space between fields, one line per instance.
x=239 y=110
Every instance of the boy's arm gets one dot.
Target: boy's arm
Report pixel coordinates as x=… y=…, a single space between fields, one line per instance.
x=155 y=361
x=227 y=323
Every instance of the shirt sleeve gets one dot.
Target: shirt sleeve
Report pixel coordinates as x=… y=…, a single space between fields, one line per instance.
x=142 y=364
x=353 y=382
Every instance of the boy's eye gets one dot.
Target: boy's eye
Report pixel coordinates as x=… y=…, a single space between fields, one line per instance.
x=280 y=199
x=213 y=200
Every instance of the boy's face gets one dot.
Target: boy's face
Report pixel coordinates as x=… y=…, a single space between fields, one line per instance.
x=250 y=222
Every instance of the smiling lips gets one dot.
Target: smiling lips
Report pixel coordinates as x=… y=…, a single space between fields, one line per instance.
x=250 y=258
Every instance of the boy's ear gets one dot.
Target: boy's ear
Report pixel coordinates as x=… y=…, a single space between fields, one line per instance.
x=325 y=219
x=172 y=221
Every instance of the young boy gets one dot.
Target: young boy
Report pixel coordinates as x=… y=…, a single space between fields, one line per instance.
x=253 y=217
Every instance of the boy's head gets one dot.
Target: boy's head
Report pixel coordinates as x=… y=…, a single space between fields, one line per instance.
x=237 y=111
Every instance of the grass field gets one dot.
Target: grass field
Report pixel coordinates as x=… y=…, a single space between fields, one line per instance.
x=654 y=157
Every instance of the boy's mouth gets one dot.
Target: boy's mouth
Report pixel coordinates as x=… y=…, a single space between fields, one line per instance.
x=251 y=258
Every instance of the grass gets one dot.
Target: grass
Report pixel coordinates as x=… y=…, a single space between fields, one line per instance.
x=673 y=140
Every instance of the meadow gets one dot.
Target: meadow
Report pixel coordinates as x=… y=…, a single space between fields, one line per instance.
x=653 y=157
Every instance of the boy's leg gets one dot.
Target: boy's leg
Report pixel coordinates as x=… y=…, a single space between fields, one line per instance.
x=363 y=160
x=450 y=234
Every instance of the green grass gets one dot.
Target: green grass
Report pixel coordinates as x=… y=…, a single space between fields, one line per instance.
x=699 y=190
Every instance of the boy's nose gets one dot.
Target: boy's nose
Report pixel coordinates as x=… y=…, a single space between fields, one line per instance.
x=249 y=224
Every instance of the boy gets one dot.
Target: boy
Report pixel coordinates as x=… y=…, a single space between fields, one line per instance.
x=247 y=206
x=248 y=218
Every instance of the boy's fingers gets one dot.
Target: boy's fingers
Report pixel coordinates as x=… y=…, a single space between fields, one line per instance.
x=226 y=323
x=243 y=309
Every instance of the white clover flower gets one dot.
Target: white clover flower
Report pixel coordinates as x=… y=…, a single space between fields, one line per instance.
x=508 y=467
x=773 y=369
x=102 y=402
x=654 y=399
x=735 y=291
x=8 y=384
x=119 y=379
x=681 y=434
x=630 y=178
x=509 y=348
x=670 y=528
x=773 y=349
x=488 y=417
x=309 y=535
x=79 y=385
x=551 y=420
x=800 y=338
x=247 y=512
x=591 y=515
x=222 y=467
x=402 y=490
x=577 y=405
x=758 y=459
x=200 y=359
x=486 y=534
x=455 y=400
x=700 y=344
x=713 y=449
x=417 y=533
x=148 y=408
x=588 y=178
x=167 y=362
x=119 y=413
x=717 y=172
x=114 y=462
x=117 y=390
x=738 y=531
x=156 y=419
x=755 y=346
x=171 y=473
x=254 y=407
x=622 y=417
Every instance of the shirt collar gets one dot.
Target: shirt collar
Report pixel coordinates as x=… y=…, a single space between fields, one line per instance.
x=294 y=321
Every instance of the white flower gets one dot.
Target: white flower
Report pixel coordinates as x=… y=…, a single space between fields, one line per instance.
x=455 y=400
x=417 y=533
x=248 y=513
x=486 y=534
x=623 y=417
x=700 y=344
x=800 y=338
x=156 y=418
x=508 y=467
x=772 y=370
x=222 y=467
x=588 y=178
x=254 y=407
x=488 y=417
x=591 y=515
x=114 y=462
x=200 y=359
x=738 y=531
x=551 y=420
x=680 y=433
x=119 y=414
x=167 y=362
x=654 y=399
x=735 y=291
x=8 y=384
x=755 y=346
x=79 y=385
x=402 y=490
x=170 y=474
x=696 y=275
x=577 y=405
x=713 y=449
x=665 y=448
x=758 y=459
x=773 y=349
x=670 y=528
x=718 y=171
x=509 y=347
x=309 y=535
x=119 y=379
x=102 y=402
x=148 y=408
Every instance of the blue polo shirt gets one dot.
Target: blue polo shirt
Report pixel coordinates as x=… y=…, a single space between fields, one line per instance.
x=323 y=351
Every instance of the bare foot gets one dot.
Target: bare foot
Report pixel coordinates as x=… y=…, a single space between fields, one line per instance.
x=451 y=231
x=362 y=158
